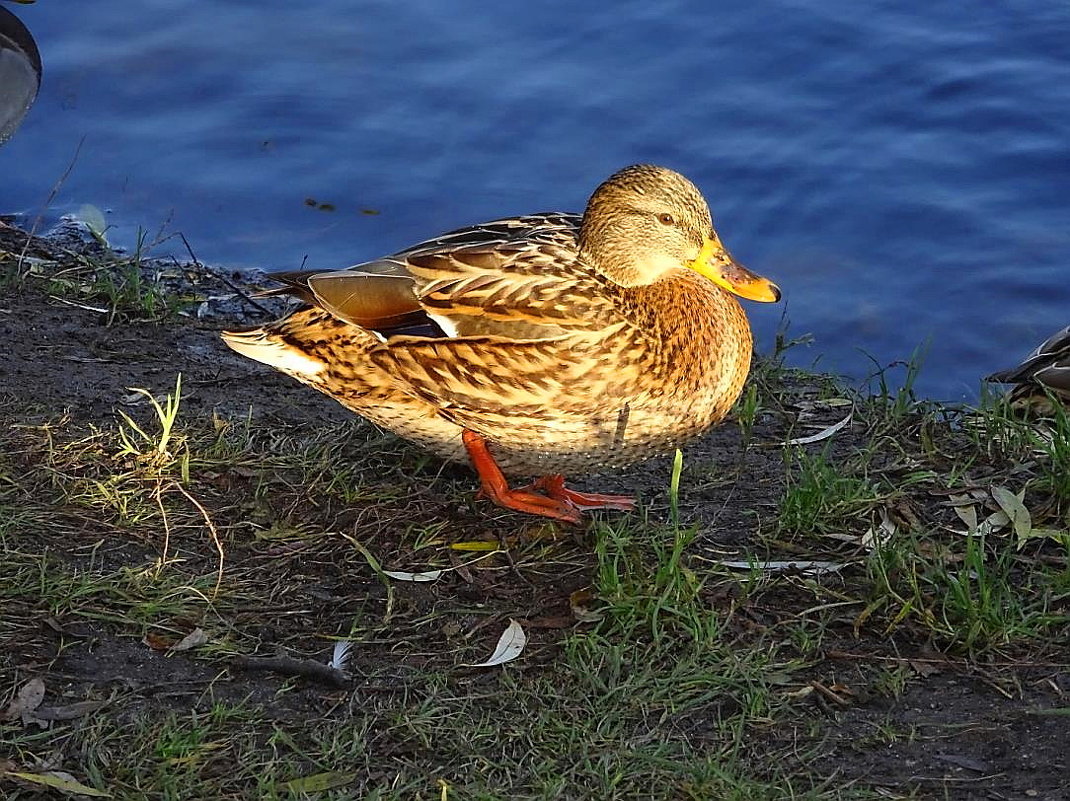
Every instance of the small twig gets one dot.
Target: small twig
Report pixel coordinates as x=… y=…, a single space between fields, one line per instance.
x=230 y=284
x=828 y=694
x=289 y=666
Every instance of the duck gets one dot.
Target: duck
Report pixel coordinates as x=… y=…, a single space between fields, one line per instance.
x=1041 y=379
x=20 y=73
x=538 y=345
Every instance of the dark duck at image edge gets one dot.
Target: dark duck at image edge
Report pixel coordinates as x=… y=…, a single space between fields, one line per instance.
x=1042 y=378
x=20 y=73
x=535 y=345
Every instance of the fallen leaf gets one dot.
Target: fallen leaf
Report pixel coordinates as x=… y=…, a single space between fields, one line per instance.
x=854 y=539
x=318 y=782
x=1056 y=534
x=1013 y=506
x=965 y=508
x=93 y=219
x=58 y=780
x=156 y=642
x=404 y=575
x=924 y=669
x=194 y=639
x=993 y=523
x=460 y=568
x=28 y=698
x=475 y=545
x=808 y=567
x=68 y=712
x=580 y=601
x=510 y=646
x=880 y=534
x=829 y=403
x=823 y=434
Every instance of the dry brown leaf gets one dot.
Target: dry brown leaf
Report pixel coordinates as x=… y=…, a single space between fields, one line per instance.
x=28 y=698
x=580 y=602
x=156 y=642
x=923 y=669
x=194 y=639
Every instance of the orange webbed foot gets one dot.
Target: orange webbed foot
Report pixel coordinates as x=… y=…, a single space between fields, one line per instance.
x=546 y=497
x=554 y=487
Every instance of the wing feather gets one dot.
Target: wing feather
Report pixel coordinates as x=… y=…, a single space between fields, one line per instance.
x=515 y=278
x=481 y=381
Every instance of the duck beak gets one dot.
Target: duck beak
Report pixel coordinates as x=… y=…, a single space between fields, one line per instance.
x=717 y=264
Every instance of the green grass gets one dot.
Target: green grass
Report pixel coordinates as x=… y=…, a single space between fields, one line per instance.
x=823 y=497
x=970 y=596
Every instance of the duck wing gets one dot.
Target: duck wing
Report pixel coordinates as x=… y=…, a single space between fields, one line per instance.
x=1048 y=365
x=515 y=278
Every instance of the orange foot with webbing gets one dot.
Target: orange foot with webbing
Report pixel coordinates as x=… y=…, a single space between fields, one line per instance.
x=546 y=497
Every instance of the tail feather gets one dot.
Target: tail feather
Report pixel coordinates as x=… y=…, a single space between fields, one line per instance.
x=263 y=346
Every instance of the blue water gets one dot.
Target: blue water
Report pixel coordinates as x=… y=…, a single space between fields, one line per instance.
x=901 y=169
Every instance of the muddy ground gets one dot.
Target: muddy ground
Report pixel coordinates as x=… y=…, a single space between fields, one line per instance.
x=978 y=726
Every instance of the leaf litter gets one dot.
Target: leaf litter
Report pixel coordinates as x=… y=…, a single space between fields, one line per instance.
x=510 y=645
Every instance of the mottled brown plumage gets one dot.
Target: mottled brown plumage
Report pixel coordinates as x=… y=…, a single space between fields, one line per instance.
x=563 y=343
x=1041 y=377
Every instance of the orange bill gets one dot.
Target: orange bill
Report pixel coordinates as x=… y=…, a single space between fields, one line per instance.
x=717 y=264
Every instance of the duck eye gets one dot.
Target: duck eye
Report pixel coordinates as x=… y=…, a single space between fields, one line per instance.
x=666 y=219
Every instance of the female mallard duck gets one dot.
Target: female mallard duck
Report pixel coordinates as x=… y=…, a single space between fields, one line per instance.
x=1043 y=375
x=538 y=344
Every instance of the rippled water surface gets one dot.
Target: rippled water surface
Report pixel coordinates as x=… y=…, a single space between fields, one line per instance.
x=901 y=169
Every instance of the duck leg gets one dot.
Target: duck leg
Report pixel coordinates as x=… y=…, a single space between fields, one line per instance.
x=546 y=497
x=496 y=488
